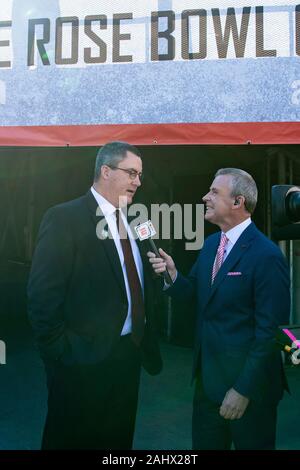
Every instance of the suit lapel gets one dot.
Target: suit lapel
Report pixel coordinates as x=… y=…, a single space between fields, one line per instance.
x=107 y=243
x=239 y=249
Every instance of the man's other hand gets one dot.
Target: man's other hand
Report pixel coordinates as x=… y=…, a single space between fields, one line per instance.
x=234 y=405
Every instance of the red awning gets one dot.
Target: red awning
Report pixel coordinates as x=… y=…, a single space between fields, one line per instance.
x=152 y=134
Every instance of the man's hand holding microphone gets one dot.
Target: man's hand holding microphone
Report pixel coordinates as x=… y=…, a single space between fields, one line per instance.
x=161 y=263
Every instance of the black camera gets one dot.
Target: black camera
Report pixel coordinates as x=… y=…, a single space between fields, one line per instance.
x=285 y=212
x=286 y=226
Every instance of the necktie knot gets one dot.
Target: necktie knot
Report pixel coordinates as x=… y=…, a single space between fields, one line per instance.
x=123 y=234
x=223 y=240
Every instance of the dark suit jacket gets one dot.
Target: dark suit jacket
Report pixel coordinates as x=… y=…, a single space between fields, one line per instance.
x=238 y=315
x=76 y=290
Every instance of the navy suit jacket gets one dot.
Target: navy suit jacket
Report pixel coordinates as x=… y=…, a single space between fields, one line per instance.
x=238 y=315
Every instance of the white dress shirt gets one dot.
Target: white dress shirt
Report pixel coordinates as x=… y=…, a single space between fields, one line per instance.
x=109 y=212
x=233 y=235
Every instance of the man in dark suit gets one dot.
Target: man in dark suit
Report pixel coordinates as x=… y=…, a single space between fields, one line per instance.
x=90 y=305
x=241 y=285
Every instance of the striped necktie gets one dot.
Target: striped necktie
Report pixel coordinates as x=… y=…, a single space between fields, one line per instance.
x=219 y=256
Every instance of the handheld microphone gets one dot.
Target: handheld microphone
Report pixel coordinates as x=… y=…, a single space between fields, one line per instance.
x=145 y=231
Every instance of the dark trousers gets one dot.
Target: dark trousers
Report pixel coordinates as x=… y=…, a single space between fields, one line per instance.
x=255 y=430
x=94 y=406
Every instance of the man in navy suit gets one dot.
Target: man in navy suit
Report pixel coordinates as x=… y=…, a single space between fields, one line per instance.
x=241 y=285
x=91 y=307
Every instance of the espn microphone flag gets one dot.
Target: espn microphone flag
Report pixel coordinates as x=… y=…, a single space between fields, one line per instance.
x=145 y=231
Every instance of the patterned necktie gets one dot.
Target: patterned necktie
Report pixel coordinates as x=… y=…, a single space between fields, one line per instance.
x=137 y=301
x=219 y=257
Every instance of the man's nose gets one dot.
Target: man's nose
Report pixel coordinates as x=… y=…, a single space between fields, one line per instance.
x=205 y=198
x=137 y=181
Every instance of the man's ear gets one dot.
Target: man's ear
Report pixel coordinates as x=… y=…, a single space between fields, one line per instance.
x=105 y=171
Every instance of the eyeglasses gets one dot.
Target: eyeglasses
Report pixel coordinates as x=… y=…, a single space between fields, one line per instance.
x=131 y=173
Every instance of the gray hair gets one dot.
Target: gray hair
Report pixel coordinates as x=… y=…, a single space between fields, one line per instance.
x=112 y=154
x=242 y=184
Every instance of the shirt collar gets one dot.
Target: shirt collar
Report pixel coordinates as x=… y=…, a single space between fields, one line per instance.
x=234 y=233
x=106 y=207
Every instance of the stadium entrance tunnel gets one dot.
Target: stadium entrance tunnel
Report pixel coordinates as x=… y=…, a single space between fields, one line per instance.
x=34 y=179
